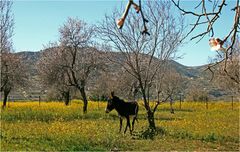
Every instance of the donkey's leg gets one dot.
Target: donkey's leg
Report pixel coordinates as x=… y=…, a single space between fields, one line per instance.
x=128 y=124
x=134 y=118
x=120 y=124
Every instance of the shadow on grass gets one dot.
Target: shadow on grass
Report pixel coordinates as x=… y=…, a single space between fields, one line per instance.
x=148 y=133
x=182 y=134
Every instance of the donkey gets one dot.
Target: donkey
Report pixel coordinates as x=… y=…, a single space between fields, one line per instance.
x=124 y=109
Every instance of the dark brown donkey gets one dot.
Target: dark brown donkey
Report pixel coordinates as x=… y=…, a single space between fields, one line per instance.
x=124 y=109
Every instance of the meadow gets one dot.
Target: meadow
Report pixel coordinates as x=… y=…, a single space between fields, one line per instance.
x=51 y=126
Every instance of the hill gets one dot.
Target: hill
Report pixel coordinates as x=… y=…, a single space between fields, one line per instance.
x=31 y=58
x=194 y=75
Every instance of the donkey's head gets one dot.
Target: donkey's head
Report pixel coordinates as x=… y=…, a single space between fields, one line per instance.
x=110 y=103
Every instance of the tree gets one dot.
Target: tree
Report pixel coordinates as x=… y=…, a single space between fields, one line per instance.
x=6 y=26
x=71 y=63
x=138 y=8
x=113 y=77
x=52 y=74
x=13 y=72
x=229 y=80
x=207 y=13
x=75 y=37
x=168 y=84
x=6 y=31
x=196 y=92
x=143 y=55
x=80 y=59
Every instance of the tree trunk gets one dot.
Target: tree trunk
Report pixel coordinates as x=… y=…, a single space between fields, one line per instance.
x=84 y=97
x=150 y=114
x=6 y=93
x=66 y=96
x=171 y=105
x=180 y=101
x=39 y=100
x=206 y=100
x=151 y=120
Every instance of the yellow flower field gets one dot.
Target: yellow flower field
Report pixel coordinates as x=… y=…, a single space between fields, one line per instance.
x=52 y=126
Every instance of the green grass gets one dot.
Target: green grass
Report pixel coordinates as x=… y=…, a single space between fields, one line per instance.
x=55 y=127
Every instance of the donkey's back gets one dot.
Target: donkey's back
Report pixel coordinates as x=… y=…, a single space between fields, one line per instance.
x=128 y=109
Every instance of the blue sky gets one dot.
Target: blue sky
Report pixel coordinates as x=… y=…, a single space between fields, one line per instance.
x=37 y=23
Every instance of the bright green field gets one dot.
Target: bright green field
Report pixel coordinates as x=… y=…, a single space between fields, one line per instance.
x=55 y=127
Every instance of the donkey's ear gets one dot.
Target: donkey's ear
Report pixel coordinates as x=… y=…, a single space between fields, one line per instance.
x=112 y=94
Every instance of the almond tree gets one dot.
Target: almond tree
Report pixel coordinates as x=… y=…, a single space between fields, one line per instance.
x=13 y=72
x=72 y=61
x=80 y=58
x=6 y=31
x=52 y=73
x=143 y=55
x=75 y=37
x=6 y=26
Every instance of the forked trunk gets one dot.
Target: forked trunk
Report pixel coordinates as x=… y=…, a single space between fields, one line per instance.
x=151 y=120
x=150 y=114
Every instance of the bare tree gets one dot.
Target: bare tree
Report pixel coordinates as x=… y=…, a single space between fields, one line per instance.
x=168 y=84
x=196 y=92
x=102 y=85
x=115 y=78
x=207 y=13
x=138 y=8
x=230 y=80
x=143 y=55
